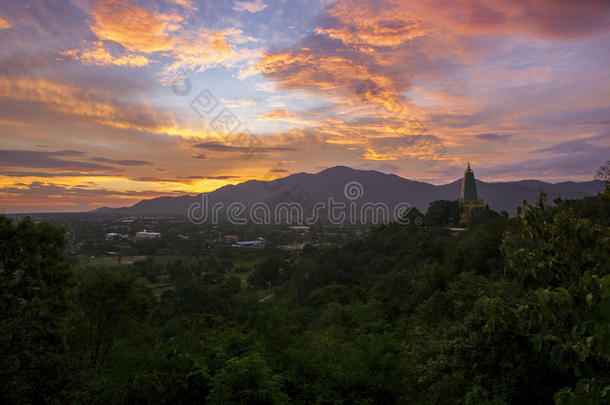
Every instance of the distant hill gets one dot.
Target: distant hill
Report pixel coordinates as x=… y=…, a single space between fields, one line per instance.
x=390 y=189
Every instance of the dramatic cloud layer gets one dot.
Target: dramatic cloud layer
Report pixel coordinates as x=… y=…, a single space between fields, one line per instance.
x=105 y=102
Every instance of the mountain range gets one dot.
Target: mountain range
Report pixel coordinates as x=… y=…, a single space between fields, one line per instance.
x=371 y=186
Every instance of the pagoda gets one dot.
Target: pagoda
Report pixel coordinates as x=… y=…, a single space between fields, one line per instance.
x=469 y=199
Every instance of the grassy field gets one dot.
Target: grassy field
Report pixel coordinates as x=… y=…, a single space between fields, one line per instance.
x=114 y=260
x=241 y=269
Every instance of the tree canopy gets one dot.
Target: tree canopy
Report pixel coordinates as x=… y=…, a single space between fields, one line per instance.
x=510 y=310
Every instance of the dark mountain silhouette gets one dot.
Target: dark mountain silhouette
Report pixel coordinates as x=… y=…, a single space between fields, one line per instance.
x=308 y=188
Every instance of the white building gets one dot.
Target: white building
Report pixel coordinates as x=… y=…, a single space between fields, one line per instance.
x=114 y=235
x=127 y=220
x=147 y=235
x=249 y=243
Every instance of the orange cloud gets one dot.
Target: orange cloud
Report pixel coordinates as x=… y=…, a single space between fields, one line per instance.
x=144 y=34
x=366 y=56
x=425 y=147
x=4 y=23
x=203 y=50
x=135 y=28
x=39 y=195
x=310 y=70
x=188 y=4
x=366 y=25
x=98 y=55
x=238 y=102
x=373 y=51
x=97 y=106
x=280 y=114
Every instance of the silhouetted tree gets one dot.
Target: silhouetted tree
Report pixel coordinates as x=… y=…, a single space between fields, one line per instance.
x=34 y=280
x=603 y=174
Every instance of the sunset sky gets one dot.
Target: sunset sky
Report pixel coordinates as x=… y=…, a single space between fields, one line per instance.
x=103 y=103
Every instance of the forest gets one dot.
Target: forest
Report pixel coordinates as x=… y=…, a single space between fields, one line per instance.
x=512 y=310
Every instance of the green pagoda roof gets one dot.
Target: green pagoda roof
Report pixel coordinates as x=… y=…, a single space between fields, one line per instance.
x=469 y=187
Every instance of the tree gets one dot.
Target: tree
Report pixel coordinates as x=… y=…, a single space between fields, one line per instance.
x=34 y=280
x=246 y=380
x=110 y=302
x=267 y=272
x=443 y=213
x=603 y=174
x=563 y=262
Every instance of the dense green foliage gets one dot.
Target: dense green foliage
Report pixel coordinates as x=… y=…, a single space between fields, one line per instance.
x=34 y=283
x=511 y=310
